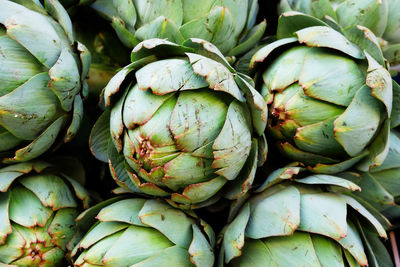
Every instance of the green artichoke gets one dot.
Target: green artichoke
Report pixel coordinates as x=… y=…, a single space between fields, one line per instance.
x=228 y=24
x=330 y=94
x=38 y=210
x=303 y=222
x=382 y=17
x=183 y=124
x=140 y=232
x=42 y=78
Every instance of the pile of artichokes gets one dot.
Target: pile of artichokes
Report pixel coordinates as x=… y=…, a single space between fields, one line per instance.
x=188 y=133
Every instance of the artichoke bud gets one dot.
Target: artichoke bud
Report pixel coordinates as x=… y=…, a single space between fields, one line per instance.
x=39 y=206
x=183 y=123
x=42 y=80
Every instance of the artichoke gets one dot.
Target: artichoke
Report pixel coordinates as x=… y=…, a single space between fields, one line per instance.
x=42 y=78
x=330 y=94
x=183 y=124
x=38 y=210
x=228 y=24
x=310 y=221
x=140 y=232
x=382 y=17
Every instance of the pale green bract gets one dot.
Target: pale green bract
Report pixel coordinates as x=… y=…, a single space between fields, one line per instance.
x=39 y=206
x=141 y=232
x=182 y=124
x=42 y=78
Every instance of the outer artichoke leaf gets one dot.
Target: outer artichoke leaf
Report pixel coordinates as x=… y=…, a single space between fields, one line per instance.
x=378 y=78
x=32 y=105
x=76 y=119
x=378 y=150
x=353 y=245
x=148 y=11
x=118 y=169
x=17 y=65
x=51 y=190
x=322 y=8
x=364 y=212
x=174 y=224
x=251 y=39
x=135 y=245
x=266 y=50
x=192 y=9
x=208 y=50
x=55 y=254
x=5 y=224
x=7 y=140
x=278 y=176
x=124 y=10
x=235 y=234
x=259 y=108
x=332 y=23
x=392 y=53
x=7 y=178
x=244 y=181
x=369 y=13
x=57 y=11
x=325 y=214
x=218 y=77
x=275 y=215
x=306 y=157
x=236 y=9
x=378 y=254
x=201 y=253
x=169 y=75
x=159 y=48
x=366 y=40
x=330 y=77
x=233 y=144
x=323 y=179
x=116 y=126
x=162 y=28
x=12 y=250
x=329 y=253
x=319 y=138
x=100 y=137
x=199 y=192
x=324 y=36
x=85 y=60
x=100 y=231
x=125 y=35
x=172 y=256
x=26 y=209
x=197 y=119
x=95 y=254
x=338 y=167
x=256 y=253
x=392 y=160
x=290 y=22
x=395 y=116
x=374 y=191
x=361 y=118
x=126 y=211
x=32 y=30
x=217 y=27
x=389 y=179
x=41 y=144
x=62 y=227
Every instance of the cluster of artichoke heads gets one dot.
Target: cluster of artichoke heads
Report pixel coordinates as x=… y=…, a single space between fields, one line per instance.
x=214 y=140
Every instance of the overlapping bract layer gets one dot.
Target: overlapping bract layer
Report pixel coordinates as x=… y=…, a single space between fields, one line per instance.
x=382 y=17
x=38 y=211
x=183 y=124
x=305 y=222
x=42 y=72
x=228 y=24
x=140 y=232
x=330 y=99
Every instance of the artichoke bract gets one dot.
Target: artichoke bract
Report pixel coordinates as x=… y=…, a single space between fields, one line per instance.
x=39 y=206
x=382 y=17
x=303 y=222
x=42 y=78
x=228 y=24
x=330 y=97
x=140 y=232
x=381 y=185
x=183 y=124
